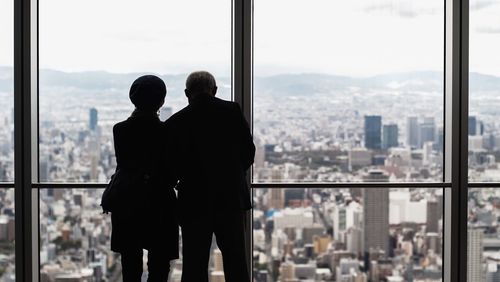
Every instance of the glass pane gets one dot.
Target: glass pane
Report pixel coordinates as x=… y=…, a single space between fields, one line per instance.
x=75 y=240
x=6 y=91
x=484 y=90
x=88 y=63
x=75 y=236
x=7 y=235
x=375 y=234
x=483 y=238
x=346 y=91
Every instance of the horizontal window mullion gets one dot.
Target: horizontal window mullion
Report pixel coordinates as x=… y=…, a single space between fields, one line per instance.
x=354 y=185
x=7 y=185
x=483 y=184
x=69 y=185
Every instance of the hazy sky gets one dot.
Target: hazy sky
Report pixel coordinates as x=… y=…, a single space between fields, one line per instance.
x=362 y=37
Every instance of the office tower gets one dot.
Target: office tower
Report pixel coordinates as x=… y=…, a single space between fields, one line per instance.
x=43 y=168
x=427 y=131
x=165 y=113
x=93 y=119
x=276 y=198
x=440 y=139
x=472 y=125
x=474 y=255
x=260 y=156
x=375 y=175
x=412 y=132
x=339 y=222
x=373 y=128
x=376 y=219
x=433 y=216
x=390 y=136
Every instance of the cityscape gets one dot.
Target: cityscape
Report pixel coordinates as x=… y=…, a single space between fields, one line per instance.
x=307 y=128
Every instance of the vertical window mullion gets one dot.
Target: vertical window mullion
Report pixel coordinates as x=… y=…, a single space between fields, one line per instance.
x=22 y=138
x=457 y=138
x=242 y=82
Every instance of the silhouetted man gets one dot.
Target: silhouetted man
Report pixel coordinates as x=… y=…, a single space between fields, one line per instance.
x=214 y=149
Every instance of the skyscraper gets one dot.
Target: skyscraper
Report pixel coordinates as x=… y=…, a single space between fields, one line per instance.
x=432 y=216
x=373 y=128
x=93 y=119
x=427 y=131
x=474 y=255
x=412 y=132
x=376 y=219
x=390 y=136
x=472 y=125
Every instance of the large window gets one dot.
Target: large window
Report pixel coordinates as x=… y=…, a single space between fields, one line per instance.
x=484 y=81
x=356 y=109
x=88 y=71
x=483 y=251
x=7 y=217
x=75 y=237
x=349 y=234
x=344 y=89
x=6 y=91
x=7 y=235
x=87 y=66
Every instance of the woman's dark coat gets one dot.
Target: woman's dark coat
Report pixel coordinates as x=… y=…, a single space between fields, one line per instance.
x=148 y=220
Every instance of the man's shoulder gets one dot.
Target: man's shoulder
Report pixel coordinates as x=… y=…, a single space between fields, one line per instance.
x=177 y=117
x=229 y=105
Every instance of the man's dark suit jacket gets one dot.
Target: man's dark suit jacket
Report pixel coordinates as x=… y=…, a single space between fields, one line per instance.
x=214 y=149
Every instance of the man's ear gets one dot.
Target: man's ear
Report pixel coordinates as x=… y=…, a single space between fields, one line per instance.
x=187 y=93
x=214 y=91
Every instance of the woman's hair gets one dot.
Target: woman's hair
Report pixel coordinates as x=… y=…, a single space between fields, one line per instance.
x=148 y=93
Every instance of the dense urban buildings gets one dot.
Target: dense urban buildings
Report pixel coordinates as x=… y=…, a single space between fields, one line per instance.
x=337 y=235
x=76 y=146
x=293 y=145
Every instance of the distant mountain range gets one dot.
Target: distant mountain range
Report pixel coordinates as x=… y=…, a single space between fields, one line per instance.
x=295 y=84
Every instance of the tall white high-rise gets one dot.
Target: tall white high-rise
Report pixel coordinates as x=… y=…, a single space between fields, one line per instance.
x=475 y=255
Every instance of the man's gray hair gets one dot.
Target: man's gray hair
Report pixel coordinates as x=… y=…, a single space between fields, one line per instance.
x=200 y=82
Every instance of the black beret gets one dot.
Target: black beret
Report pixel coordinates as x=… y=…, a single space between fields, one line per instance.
x=147 y=92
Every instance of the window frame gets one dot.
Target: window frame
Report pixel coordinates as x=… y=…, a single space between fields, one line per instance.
x=455 y=168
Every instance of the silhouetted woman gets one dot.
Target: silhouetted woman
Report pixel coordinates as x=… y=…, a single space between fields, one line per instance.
x=146 y=219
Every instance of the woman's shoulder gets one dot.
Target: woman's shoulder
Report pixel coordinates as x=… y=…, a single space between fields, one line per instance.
x=122 y=126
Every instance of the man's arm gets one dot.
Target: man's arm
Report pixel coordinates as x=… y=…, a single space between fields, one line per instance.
x=245 y=138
